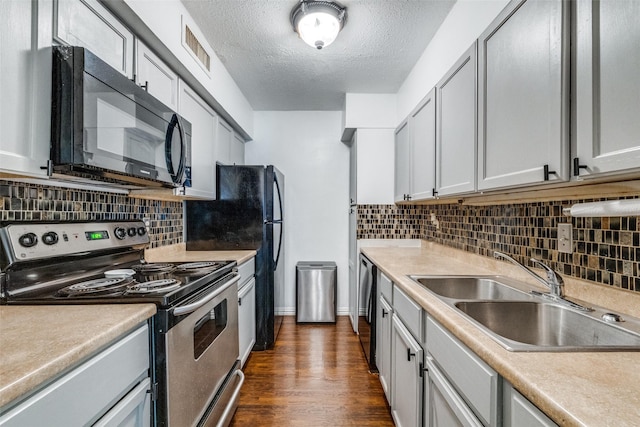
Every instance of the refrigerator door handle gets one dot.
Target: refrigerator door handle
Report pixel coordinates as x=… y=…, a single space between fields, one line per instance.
x=279 y=242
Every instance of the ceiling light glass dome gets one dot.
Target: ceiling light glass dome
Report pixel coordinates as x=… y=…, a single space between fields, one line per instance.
x=318 y=22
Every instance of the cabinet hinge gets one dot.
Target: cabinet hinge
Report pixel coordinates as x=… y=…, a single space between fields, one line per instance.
x=577 y=166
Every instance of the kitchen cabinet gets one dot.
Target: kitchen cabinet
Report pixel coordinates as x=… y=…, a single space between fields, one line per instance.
x=402 y=172
x=606 y=137
x=203 y=138
x=407 y=360
x=415 y=153
x=519 y=412
x=25 y=87
x=445 y=406
x=465 y=378
x=246 y=309
x=383 y=333
x=88 y=24
x=156 y=77
x=422 y=128
x=111 y=388
x=224 y=139
x=523 y=96
x=236 y=155
x=456 y=127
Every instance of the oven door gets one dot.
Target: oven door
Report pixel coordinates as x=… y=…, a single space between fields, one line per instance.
x=201 y=350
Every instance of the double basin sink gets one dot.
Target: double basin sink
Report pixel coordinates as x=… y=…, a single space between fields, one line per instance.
x=521 y=321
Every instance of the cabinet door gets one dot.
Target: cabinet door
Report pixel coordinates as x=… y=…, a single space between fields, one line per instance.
x=402 y=165
x=446 y=407
x=203 y=137
x=423 y=148
x=237 y=150
x=224 y=138
x=25 y=87
x=523 y=104
x=607 y=101
x=154 y=75
x=353 y=170
x=247 y=319
x=383 y=345
x=456 y=128
x=519 y=412
x=88 y=24
x=353 y=265
x=406 y=377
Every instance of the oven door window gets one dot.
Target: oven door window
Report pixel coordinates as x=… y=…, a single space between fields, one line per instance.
x=208 y=328
x=123 y=136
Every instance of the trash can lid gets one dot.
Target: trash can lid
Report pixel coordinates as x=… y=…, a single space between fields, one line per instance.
x=316 y=265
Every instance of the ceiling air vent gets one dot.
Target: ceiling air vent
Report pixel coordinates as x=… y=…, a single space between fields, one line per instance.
x=197 y=49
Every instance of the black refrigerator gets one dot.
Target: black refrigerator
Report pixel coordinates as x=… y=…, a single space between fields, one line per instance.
x=247 y=214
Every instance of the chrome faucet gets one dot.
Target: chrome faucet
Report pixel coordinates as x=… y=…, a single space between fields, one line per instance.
x=554 y=281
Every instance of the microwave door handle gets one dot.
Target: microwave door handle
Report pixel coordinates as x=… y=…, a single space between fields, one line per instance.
x=175 y=175
x=190 y=308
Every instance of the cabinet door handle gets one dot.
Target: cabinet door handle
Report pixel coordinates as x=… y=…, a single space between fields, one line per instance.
x=577 y=166
x=409 y=355
x=384 y=313
x=422 y=369
x=239 y=301
x=547 y=172
x=145 y=86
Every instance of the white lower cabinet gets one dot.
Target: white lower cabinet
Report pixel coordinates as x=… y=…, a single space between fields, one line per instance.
x=406 y=376
x=246 y=309
x=444 y=407
x=110 y=389
x=519 y=412
x=383 y=350
x=247 y=319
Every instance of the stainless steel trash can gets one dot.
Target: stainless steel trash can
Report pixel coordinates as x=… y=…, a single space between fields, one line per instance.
x=316 y=290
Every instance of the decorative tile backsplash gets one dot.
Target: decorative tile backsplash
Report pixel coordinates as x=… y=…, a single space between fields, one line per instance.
x=605 y=250
x=33 y=202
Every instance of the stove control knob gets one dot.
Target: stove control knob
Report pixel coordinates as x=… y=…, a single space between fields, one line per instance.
x=120 y=233
x=28 y=240
x=50 y=238
x=142 y=231
x=131 y=231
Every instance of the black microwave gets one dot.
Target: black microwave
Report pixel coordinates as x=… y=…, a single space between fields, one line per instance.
x=105 y=127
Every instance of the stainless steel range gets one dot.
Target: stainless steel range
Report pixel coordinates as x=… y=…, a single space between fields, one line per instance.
x=194 y=342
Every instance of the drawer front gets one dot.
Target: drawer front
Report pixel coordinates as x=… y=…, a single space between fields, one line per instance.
x=385 y=286
x=409 y=311
x=519 y=412
x=476 y=382
x=246 y=270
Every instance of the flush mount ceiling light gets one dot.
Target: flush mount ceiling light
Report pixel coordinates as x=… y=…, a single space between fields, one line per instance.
x=318 y=22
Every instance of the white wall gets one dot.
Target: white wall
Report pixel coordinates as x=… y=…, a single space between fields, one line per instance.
x=464 y=23
x=306 y=147
x=375 y=154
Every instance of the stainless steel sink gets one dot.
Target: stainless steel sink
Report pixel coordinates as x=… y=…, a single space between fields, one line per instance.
x=471 y=287
x=539 y=326
x=521 y=321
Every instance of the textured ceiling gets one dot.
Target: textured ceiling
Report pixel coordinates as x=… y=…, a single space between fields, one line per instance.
x=374 y=53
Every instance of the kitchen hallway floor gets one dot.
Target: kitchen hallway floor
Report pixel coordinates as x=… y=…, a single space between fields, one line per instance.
x=316 y=375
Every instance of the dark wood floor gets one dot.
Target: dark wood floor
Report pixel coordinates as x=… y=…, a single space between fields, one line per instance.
x=316 y=375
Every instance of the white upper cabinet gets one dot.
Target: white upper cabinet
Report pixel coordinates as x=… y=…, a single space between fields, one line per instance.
x=25 y=87
x=402 y=172
x=156 y=77
x=88 y=24
x=236 y=151
x=203 y=137
x=422 y=126
x=224 y=140
x=523 y=96
x=456 y=127
x=607 y=79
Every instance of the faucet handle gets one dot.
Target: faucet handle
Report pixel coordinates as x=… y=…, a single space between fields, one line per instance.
x=554 y=279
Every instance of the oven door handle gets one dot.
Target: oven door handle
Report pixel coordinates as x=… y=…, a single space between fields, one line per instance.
x=190 y=308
